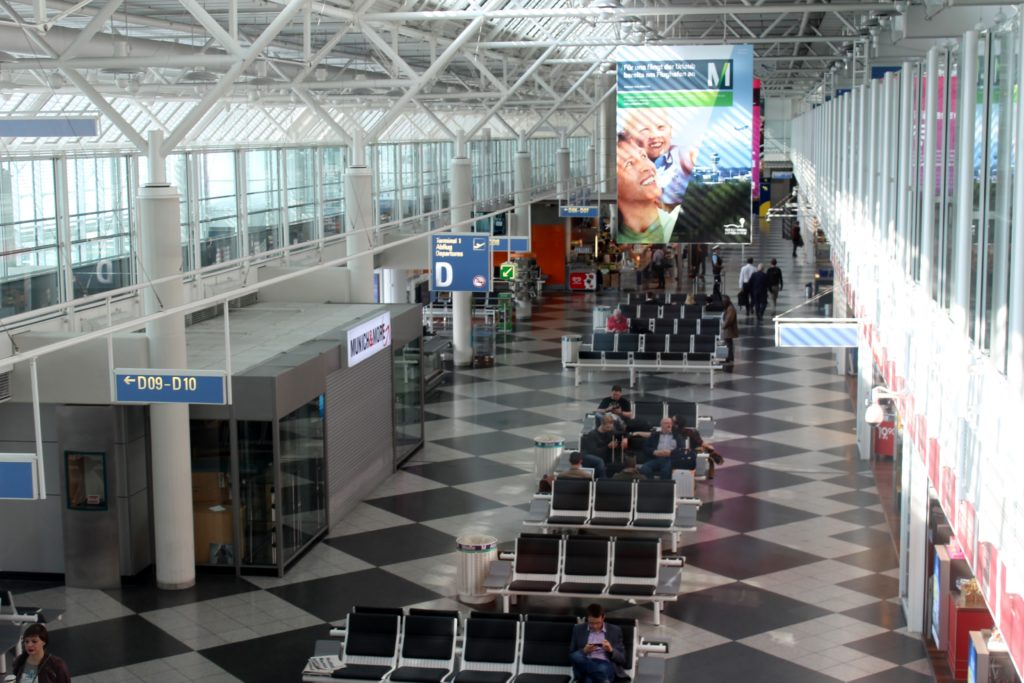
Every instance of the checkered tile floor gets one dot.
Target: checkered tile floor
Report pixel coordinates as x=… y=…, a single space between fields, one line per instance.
x=791 y=574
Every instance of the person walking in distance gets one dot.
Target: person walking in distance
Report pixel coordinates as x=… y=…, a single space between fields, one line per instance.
x=774 y=282
x=730 y=330
x=746 y=300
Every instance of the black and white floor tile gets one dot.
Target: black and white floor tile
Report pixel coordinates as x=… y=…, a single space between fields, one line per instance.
x=790 y=575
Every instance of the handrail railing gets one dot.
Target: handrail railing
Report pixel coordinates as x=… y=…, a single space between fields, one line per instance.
x=377 y=244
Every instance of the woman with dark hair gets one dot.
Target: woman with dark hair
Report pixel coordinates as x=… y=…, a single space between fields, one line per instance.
x=730 y=328
x=35 y=665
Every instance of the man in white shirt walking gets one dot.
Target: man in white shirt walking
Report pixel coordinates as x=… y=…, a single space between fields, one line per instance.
x=746 y=271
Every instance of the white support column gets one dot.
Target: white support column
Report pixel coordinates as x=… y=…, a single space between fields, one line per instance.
x=462 y=302
x=904 y=187
x=1015 y=308
x=564 y=183
x=359 y=219
x=523 y=171
x=928 y=178
x=393 y=286
x=606 y=131
x=917 y=570
x=173 y=530
x=591 y=164
x=961 y=295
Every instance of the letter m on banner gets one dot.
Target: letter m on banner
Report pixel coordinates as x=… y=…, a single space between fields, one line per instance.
x=720 y=76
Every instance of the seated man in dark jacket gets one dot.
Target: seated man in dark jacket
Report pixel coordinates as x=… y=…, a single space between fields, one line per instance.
x=597 y=652
x=603 y=440
x=666 y=449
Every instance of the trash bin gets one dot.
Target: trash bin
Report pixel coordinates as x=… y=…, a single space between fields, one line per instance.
x=547 y=449
x=476 y=552
x=601 y=314
x=524 y=307
x=827 y=310
x=571 y=348
x=809 y=290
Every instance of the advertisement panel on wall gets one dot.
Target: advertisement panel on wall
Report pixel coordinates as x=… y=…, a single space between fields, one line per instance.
x=684 y=153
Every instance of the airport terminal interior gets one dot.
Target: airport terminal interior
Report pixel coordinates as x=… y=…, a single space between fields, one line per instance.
x=304 y=307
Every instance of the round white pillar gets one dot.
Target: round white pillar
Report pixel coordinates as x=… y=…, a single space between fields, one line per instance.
x=462 y=302
x=523 y=181
x=173 y=531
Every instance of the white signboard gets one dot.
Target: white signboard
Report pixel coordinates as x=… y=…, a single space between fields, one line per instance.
x=367 y=338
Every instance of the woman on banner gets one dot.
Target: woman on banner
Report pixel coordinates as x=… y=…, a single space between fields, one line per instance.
x=642 y=220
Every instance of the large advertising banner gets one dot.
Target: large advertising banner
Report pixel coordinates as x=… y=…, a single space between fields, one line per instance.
x=684 y=153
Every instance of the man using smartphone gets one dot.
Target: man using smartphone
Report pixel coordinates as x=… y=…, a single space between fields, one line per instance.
x=597 y=653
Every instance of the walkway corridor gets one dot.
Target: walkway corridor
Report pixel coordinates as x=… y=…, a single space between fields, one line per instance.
x=790 y=578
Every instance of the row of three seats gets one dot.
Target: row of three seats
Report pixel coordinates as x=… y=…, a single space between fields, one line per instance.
x=421 y=647
x=587 y=566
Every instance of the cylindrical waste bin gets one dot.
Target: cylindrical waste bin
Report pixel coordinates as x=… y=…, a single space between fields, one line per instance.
x=547 y=449
x=601 y=314
x=476 y=552
x=571 y=348
x=809 y=290
x=827 y=310
x=524 y=307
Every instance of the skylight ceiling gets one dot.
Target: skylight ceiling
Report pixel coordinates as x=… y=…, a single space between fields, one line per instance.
x=198 y=69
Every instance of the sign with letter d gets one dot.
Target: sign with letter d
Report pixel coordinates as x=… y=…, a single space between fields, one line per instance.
x=460 y=262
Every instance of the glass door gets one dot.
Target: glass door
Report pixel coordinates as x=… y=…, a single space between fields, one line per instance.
x=408 y=383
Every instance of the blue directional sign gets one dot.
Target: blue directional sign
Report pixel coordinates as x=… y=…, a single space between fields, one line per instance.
x=503 y=243
x=816 y=335
x=169 y=386
x=577 y=211
x=460 y=262
x=18 y=476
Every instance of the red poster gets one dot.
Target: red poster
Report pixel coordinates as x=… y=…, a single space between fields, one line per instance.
x=1012 y=625
x=948 y=492
x=583 y=281
x=885 y=438
x=965 y=529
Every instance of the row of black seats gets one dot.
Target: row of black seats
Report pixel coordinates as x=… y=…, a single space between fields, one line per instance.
x=666 y=311
x=612 y=502
x=711 y=326
x=420 y=647
x=666 y=298
x=618 y=345
x=585 y=565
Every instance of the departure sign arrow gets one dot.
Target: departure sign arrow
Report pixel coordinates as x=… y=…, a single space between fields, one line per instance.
x=149 y=385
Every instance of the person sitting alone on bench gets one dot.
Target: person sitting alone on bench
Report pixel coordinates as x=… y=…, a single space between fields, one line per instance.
x=666 y=449
x=597 y=652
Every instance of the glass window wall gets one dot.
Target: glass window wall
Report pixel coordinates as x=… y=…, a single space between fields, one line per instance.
x=258 y=504
x=212 y=511
x=408 y=374
x=28 y=230
x=263 y=200
x=300 y=172
x=332 y=176
x=99 y=216
x=303 y=490
x=217 y=197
